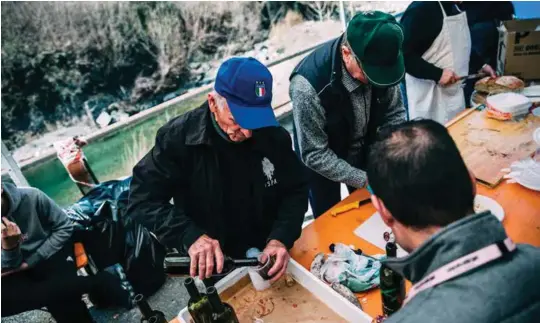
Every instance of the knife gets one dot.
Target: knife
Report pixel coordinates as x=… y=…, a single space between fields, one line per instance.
x=472 y=76
x=350 y=206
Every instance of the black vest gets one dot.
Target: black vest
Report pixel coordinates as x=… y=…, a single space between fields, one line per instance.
x=322 y=69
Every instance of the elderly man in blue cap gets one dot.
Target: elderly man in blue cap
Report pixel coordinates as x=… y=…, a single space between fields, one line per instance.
x=232 y=174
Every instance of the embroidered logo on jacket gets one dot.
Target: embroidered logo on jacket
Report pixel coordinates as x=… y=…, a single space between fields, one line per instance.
x=268 y=170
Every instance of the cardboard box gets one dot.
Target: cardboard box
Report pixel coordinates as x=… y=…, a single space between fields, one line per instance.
x=519 y=49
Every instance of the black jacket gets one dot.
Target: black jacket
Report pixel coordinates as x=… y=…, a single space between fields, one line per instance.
x=183 y=165
x=322 y=68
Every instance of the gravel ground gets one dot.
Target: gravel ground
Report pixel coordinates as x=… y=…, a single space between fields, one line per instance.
x=170 y=299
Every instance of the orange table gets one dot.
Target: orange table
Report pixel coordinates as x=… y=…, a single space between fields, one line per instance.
x=522 y=223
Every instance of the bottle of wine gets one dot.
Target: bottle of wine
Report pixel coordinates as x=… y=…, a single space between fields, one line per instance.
x=221 y=312
x=147 y=313
x=181 y=265
x=392 y=284
x=198 y=305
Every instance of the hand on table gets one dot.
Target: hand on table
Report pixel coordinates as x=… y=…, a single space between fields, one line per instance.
x=203 y=252
x=11 y=234
x=278 y=250
x=448 y=77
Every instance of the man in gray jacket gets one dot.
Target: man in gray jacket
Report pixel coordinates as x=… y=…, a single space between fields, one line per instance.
x=463 y=266
x=38 y=265
x=342 y=94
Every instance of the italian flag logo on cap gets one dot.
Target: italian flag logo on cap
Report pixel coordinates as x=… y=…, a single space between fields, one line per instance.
x=260 y=89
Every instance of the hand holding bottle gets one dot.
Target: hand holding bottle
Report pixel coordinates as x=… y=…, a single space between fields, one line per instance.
x=205 y=254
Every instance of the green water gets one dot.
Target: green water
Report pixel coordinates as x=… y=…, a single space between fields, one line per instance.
x=112 y=156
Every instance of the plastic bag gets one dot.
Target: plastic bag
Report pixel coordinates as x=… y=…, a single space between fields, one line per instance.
x=356 y=272
x=84 y=213
x=143 y=260
x=110 y=238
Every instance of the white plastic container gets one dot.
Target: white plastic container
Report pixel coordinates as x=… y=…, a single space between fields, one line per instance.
x=511 y=103
x=323 y=292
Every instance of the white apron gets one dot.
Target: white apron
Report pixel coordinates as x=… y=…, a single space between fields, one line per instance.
x=451 y=49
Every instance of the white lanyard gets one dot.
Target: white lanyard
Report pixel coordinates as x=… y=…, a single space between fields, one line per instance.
x=462 y=265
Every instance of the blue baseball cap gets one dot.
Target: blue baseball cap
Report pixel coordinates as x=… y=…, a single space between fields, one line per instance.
x=246 y=84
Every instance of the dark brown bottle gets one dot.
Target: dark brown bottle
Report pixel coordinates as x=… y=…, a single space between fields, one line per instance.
x=181 y=265
x=198 y=305
x=147 y=313
x=392 y=284
x=221 y=312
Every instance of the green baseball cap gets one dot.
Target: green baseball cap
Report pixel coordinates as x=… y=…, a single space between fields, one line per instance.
x=376 y=39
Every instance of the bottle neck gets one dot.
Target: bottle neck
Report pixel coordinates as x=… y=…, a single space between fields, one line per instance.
x=391 y=250
x=144 y=307
x=214 y=300
x=249 y=262
x=192 y=290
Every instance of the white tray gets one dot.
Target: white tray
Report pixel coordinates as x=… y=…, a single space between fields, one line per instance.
x=323 y=292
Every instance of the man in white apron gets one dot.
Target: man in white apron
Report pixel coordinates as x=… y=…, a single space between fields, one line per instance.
x=463 y=266
x=437 y=49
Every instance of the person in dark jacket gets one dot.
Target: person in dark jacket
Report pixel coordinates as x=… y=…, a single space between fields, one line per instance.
x=342 y=93
x=231 y=172
x=483 y=18
x=463 y=266
x=437 y=51
x=38 y=262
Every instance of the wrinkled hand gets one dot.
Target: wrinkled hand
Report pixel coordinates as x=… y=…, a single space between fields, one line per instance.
x=202 y=253
x=11 y=234
x=277 y=249
x=22 y=267
x=488 y=70
x=448 y=77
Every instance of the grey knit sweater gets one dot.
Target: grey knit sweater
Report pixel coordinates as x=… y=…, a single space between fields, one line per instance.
x=310 y=120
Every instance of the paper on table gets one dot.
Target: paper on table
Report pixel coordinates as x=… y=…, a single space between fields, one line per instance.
x=372 y=230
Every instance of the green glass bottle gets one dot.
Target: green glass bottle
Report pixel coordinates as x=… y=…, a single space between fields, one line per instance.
x=198 y=305
x=222 y=312
x=147 y=313
x=392 y=284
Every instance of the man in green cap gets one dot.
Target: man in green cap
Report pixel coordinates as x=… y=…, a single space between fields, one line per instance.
x=342 y=94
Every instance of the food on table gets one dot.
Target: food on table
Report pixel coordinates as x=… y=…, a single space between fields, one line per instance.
x=317 y=264
x=499 y=84
x=345 y=292
x=506 y=106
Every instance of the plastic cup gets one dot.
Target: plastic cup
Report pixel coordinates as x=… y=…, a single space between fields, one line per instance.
x=267 y=263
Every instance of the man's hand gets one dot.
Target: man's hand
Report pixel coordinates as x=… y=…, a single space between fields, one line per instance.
x=202 y=253
x=11 y=234
x=488 y=70
x=277 y=249
x=448 y=77
x=22 y=267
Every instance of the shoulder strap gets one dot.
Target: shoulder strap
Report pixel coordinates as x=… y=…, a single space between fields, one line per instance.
x=442 y=8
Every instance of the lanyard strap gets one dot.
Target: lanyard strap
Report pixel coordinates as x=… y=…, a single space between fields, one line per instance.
x=463 y=265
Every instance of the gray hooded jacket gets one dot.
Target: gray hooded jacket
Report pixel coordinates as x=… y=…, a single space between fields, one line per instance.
x=505 y=290
x=45 y=228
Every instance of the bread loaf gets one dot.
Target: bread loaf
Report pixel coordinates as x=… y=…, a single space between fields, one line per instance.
x=499 y=85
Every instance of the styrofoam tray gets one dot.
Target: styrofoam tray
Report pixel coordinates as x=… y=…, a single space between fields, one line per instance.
x=322 y=291
x=531 y=91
